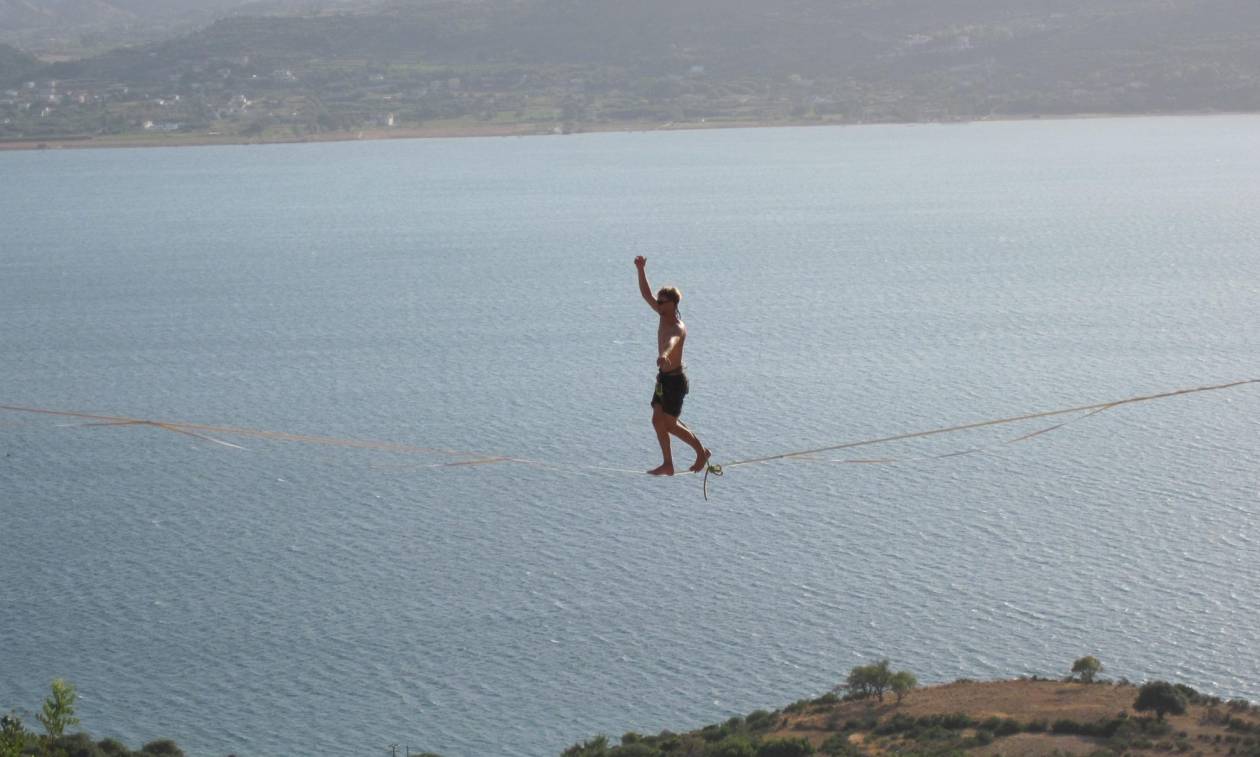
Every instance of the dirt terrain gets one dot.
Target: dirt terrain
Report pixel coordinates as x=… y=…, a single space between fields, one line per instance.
x=1207 y=728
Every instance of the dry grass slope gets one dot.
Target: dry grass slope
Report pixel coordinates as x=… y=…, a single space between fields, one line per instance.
x=1215 y=729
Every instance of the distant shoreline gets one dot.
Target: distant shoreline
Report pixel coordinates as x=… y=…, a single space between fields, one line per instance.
x=522 y=130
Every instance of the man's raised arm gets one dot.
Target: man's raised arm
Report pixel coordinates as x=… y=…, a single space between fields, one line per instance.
x=645 y=289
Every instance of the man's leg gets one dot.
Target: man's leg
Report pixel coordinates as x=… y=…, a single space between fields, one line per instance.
x=684 y=433
x=662 y=423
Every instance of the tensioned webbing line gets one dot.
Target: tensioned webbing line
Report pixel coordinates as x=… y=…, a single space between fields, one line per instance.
x=1091 y=409
x=205 y=432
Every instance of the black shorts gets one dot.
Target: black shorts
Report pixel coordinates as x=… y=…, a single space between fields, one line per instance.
x=670 y=389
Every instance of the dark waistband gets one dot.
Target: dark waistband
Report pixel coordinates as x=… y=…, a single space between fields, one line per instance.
x=672 y=374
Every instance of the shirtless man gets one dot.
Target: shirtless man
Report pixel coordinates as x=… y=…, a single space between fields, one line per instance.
x=671 y=381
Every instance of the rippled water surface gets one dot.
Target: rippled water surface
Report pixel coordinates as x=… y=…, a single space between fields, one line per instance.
x=839 y=284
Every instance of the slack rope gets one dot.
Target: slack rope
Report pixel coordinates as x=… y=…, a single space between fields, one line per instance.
x=1092 y=409
x=208 y=433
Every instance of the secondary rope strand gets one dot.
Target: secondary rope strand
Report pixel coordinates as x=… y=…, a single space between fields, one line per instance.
x=208 y=433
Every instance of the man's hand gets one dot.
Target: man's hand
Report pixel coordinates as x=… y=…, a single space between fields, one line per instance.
x=663 y=363
x=640 y=261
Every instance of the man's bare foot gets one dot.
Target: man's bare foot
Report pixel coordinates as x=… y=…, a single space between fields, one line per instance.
x=702 y=460
x=664 y=470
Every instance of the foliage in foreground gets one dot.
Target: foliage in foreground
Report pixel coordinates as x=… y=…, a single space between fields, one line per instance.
x=57 y=715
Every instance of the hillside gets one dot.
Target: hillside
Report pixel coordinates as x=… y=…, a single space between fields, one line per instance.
x=541 y=65
x=1020 y=717
x=13 y=59
x=75 y=27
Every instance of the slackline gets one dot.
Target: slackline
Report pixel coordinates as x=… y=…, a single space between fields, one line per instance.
x=209 y=433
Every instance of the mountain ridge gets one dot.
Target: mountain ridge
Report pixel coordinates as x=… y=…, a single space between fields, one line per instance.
x=578 y=64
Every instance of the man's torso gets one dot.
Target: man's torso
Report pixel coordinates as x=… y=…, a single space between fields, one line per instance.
x=667 y=331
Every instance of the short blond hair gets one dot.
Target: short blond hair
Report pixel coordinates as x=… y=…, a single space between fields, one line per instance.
x=674 y=294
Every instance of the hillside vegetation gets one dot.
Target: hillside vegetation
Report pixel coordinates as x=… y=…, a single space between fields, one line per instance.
x=544 y=65
x=1022 y=717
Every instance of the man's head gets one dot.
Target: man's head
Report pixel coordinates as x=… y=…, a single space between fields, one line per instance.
x=667 y=298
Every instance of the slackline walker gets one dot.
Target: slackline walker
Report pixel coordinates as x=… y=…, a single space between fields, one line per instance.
x=209 y=433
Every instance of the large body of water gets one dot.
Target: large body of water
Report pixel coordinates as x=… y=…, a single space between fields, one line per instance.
x=839 y=284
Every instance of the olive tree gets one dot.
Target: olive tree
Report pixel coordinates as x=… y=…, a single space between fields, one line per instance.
x=901 y=683
x=1086 y=668
x=874 y=679
x=1162 y=698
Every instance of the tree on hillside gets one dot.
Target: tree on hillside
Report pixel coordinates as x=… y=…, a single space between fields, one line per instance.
x=1086 y=668
x=1161 y=697
x=869 y=680
x=874 y=679
x=58 y=712
x=901 y=683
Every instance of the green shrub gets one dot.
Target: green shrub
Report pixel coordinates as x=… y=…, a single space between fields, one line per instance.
x=113 y=748
x=1242 y=726
x=75 y=745
x=1037 y=726
x=760 y=720
x=1162 y=698
x=838 y=745
x=163 y=747
x=668 y=741
x=899 y=723
x=955 y=721
x=785 y=748
x=13 y=736
x=1008 y=727
x=636 y=749
x=1191 y=694
x=931 y=733
x=596 y=747
x=869 y=719
x=733 y=746
x=797 y=707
